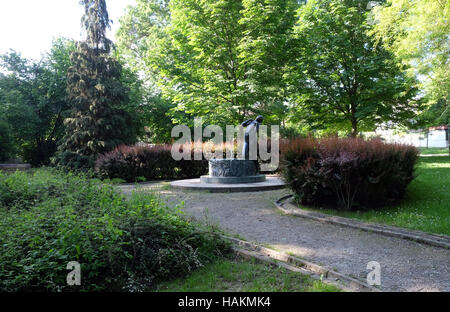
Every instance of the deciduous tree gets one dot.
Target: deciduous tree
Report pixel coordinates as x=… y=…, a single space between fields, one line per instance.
x=417 y=32
x=220 y=60
x=33 y=101
x=341 y=76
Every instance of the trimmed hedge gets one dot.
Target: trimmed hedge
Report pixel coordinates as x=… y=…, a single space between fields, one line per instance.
x=154 y=162
x=132 y=163
x=347 y=173
x=49 y=218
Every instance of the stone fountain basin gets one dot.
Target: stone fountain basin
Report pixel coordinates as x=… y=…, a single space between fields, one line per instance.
x=233 y=180
x=233 y=171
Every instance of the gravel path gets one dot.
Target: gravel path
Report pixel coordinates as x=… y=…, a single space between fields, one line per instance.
x=405 y=265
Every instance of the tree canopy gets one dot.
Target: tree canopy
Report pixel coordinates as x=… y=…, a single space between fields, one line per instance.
x=315 y=65
x=341 y=76
x=213 y=59
x=33 y=101
x=417 y=31
x=326 y=66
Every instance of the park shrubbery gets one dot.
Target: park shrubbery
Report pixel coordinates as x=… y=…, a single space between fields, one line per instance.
x=131 y=163
x=6 y=142
x=347 y=173
x=152 y=162
x=48 y=219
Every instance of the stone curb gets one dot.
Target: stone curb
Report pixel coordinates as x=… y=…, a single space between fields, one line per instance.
x=248 y=249
x=247 y=254
x=435 y=240
x=14 y=167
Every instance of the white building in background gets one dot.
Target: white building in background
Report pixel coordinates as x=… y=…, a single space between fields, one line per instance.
x=434 y=137
x=438 y=137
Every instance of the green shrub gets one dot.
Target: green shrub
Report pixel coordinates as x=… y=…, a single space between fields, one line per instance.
x=48 y=219
x=347 y=173
x=6 y=142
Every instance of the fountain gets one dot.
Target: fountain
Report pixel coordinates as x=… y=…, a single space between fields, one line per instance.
x=235 y=175
x=233 y=171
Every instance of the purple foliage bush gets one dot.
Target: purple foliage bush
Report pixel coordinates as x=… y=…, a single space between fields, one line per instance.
x=347 y=173
x=130 y=163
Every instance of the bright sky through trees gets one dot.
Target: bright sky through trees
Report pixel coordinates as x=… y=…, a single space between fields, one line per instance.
x=28 y=26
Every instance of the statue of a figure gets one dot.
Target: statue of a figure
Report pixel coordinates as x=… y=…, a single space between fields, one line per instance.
x=251 y=130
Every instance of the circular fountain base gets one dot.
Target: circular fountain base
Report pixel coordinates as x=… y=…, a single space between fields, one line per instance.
x=271 y=183
x=233 y=180
x=231 y=175
x=232 y=171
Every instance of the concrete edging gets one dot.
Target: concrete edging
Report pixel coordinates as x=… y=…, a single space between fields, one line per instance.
x=292 y=263
x=14 y=167
x=435 y=240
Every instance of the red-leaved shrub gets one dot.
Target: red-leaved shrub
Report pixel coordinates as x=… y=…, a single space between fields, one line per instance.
x=347 y=173
x=151 y=162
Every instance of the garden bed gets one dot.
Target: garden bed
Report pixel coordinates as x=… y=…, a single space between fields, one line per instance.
x=49 y=218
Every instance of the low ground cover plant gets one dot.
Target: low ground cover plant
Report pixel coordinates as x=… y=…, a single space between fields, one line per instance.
x=49 y=218
x=347 y=173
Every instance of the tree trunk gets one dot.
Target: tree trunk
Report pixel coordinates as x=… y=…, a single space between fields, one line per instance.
x=354 y=128
x=448 y=137
x=354 y=120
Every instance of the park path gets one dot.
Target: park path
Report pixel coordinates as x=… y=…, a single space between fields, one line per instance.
x=405 y=265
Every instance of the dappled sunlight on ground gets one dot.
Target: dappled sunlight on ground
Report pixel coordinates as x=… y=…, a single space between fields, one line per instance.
x=294 y=250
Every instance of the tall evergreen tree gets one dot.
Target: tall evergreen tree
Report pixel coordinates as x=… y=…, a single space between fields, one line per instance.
x=97 y=123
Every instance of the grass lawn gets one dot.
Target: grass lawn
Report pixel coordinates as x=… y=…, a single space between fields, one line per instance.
x=433 y=150
x=245 y=275
x=427 y=203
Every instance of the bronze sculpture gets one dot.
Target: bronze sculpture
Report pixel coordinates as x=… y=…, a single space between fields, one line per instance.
x=252 y=128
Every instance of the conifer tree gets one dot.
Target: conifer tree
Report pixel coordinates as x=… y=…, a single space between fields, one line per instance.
x=96 y=123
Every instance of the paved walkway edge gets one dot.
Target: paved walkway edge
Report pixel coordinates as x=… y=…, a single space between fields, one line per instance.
x=436 y=240
x=14 y=167
x=292 y=263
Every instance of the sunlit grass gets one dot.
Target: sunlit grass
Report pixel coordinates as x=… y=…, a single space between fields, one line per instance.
x=246 y=276
x=433 y=150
